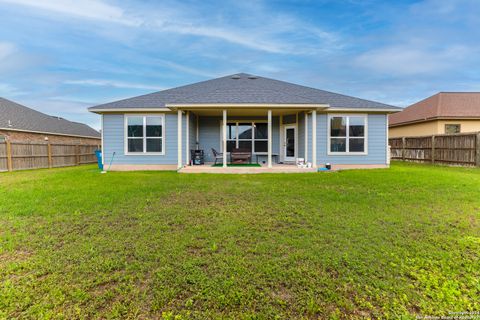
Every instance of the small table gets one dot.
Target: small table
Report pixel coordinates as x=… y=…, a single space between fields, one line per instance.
x=274 y=155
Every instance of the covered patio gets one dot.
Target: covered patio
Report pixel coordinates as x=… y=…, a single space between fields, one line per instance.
x=274 y=135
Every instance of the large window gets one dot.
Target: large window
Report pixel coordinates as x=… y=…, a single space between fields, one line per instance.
x=347 y=134
x=247 y=135
x=144 y=134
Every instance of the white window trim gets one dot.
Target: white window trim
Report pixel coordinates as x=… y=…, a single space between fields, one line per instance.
x=347 y=153
x=236 y=132
x=144 y=153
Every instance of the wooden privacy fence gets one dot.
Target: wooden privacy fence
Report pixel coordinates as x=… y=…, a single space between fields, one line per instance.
x=461 y=149
x=30 y=155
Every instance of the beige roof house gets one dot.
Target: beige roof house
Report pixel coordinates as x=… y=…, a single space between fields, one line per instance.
x=442 y=113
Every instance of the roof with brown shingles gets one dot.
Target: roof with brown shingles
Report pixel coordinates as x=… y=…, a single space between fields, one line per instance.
x=443 y=105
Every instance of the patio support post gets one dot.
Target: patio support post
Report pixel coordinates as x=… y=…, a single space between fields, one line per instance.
x=296 y=136
x=314 y=138
x=187 y=139
x=179 y=136
x=282 y=138
x=306 y=137
x=269 y=138
x=224 y=138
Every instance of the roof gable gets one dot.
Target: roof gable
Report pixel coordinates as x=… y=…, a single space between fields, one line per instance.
x=242 y=88
x=15 y=116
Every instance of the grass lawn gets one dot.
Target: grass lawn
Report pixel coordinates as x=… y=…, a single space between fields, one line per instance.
x=384 y=243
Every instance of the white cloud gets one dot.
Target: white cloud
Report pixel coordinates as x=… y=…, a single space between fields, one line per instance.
x=89 y=9
x=245 y=39
x=411 y=59
x=184 y=68
x=267 y=33
x=6 y=49
x=7 y=90
x=113 y=84
x=255 y=27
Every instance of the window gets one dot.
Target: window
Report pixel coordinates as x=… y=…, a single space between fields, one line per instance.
x=347 y=134
x=452 y=128
x=231 y=136
x=261 y=137
x=247 y=135
x=144 y=134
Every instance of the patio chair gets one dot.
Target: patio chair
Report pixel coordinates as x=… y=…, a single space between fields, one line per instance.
x=217 y=155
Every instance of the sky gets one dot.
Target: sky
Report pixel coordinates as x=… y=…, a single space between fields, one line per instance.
x=61 y=57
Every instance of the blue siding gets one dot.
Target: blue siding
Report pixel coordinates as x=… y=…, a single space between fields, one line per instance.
x=193 y=131
x=301 y=135
x=376 y=143
x=309 y=143
x=209 y=137
x=113 y=135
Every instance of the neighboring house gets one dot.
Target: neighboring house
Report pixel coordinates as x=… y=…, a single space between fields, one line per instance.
x=276 y=120
x=22 y=124
x=442 y=113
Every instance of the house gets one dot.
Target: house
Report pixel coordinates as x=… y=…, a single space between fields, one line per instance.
x=277 y=121
x=22 y=124
x=442 y=113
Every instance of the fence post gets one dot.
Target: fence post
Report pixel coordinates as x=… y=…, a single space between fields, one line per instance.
x=433 y=148
x=49 y=151
x=477 y=150
x=9 y=156
x=403 y=148
x=77 y=154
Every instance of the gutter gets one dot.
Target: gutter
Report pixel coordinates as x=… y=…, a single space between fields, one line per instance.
x=382 y=110
x=177 y=106
x=116 y=110
x=399 y=124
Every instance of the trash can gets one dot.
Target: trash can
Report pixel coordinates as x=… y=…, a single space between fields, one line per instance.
x=98 y=153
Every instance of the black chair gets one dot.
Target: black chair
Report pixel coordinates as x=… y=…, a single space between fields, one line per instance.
x=217 y=155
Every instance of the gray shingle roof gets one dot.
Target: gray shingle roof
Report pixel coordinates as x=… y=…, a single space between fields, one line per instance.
x=18 y=117
x=243 y=88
